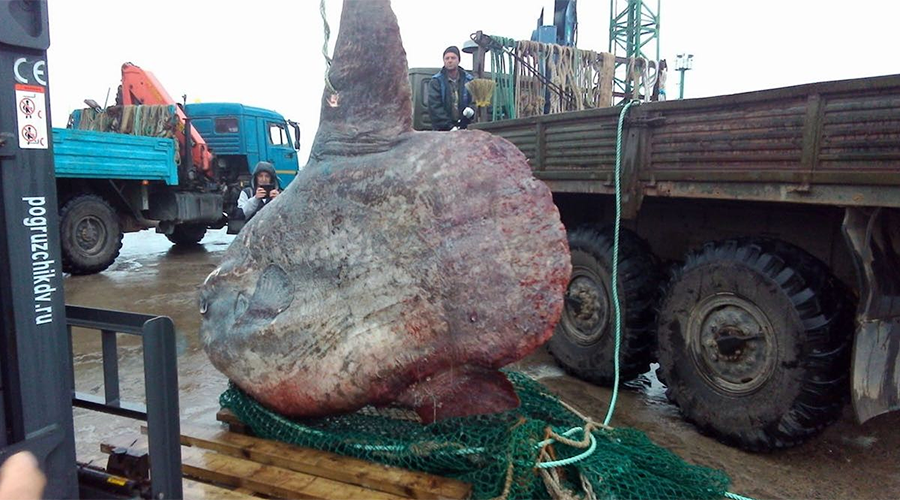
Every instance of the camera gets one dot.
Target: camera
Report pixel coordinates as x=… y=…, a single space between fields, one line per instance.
x=268 y=188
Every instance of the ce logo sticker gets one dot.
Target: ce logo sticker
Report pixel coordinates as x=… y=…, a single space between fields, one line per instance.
x=37 y=71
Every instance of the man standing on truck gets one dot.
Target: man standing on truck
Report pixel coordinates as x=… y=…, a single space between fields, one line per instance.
x=263 y=189
x=447 y=93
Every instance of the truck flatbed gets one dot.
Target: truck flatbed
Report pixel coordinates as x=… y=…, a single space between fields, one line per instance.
x=831 y=143
x=85 y=154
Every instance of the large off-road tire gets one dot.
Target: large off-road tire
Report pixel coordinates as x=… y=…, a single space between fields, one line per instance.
x=754 y=343
x=90 y=236
x=584 y=340
x=187 y=234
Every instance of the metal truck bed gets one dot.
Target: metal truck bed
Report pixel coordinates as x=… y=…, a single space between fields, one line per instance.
x=833 y=143
x=104 y=155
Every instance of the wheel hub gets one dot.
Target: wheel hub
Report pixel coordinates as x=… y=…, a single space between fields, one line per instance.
x=732 y=342
x=587 y=307
x=90 y=234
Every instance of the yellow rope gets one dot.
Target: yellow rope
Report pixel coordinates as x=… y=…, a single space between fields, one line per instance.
x=553 y=482
x=507 y=487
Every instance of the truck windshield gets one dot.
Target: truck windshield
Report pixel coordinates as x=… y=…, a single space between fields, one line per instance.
x=278 y=135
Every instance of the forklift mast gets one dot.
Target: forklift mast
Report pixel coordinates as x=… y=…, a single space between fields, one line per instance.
x=35 y=363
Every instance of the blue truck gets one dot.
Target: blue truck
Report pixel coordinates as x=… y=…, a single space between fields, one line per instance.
x=110 y=183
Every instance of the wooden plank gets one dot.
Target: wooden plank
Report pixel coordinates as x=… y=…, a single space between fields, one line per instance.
x=227 y=416
x=268 y=479
x=196 y=490
x=607 y=77
x=234 y=424
x=379 y=477
x=191 y=489
x=351 y=478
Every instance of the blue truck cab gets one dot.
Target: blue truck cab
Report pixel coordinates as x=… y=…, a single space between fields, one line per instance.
x=110 y=183
x=240 y=136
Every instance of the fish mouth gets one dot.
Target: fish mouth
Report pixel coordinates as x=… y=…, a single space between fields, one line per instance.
x=228 y=311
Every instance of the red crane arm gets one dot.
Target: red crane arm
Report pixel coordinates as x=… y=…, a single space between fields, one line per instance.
x=139 y=86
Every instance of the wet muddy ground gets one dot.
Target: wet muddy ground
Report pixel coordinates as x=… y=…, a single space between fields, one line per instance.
x=152 y=277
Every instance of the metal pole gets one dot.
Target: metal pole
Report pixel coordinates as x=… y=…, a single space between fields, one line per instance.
x=632 y=44
x=163 y=417
x=630 y=30
x=681 y=85
x=658 y=26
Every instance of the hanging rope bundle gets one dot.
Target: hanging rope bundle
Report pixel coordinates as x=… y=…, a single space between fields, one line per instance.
x=580 y=79
x=530 y=92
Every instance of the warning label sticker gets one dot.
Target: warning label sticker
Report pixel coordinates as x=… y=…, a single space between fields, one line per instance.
x=31 y=111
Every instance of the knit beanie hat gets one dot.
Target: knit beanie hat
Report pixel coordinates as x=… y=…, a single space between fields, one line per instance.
x=453 y=49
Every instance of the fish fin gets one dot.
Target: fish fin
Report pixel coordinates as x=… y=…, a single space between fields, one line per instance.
x=460 y=393
x=371 y=105
x=274 y=290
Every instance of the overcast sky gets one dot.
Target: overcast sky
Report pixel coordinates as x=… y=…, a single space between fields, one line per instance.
x=267 y=53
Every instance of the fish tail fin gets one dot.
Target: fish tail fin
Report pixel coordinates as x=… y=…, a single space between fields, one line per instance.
x=460 y=392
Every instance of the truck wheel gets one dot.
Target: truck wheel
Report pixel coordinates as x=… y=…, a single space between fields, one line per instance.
x=754 y=343
x=90 y=236
x=584 y=340
x=187 y=234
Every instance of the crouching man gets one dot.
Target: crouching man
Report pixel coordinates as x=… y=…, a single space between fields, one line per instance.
x=263 y=189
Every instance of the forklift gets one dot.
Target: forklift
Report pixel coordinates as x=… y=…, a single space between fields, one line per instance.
x=37 y=386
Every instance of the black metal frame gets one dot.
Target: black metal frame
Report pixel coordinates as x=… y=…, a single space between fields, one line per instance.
x=35 y=406
x=160 y=380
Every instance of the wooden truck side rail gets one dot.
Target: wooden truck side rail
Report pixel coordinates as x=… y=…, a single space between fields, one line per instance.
x=832 y=143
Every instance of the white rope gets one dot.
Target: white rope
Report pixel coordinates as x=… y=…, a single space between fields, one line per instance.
x=577 y=72
x=325 y=48
x=649 y=79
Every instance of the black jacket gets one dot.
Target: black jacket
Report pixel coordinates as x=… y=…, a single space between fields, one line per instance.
x=439 y=105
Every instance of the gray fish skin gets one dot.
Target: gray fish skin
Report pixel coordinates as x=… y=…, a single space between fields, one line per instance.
x=398 y=267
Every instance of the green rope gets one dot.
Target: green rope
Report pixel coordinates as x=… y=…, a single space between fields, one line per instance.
x=571 y=460
x=735 y=496
x=503 y=75
x=615 y=294
x=615 y=260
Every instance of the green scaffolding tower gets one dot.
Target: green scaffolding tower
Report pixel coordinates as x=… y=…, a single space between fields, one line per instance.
x=633 y=31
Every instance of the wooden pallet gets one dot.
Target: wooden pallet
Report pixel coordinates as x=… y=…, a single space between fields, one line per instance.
x=245 y=466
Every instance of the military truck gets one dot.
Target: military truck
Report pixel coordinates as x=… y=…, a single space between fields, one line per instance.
x=759 y=261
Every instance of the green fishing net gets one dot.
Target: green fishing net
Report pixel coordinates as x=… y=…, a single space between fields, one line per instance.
x=497 y=454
